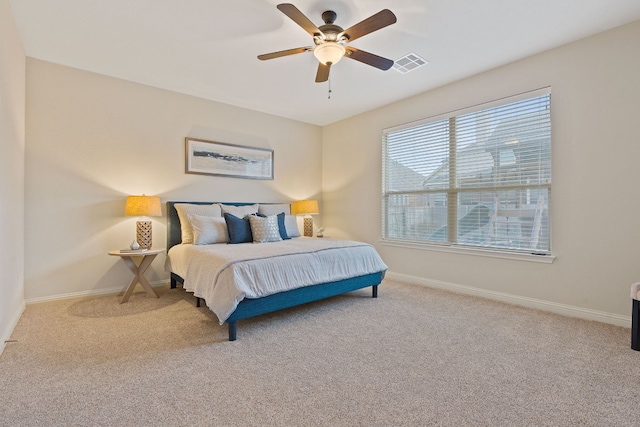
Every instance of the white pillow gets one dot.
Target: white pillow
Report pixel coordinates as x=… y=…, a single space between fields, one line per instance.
x=274 y=209
x=209 y=229
x=291 y=225
x=240 y=211
x=264 y=229
x=185 y=210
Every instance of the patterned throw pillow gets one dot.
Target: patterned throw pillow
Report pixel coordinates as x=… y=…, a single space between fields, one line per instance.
x=265 y=229
x=281 y=225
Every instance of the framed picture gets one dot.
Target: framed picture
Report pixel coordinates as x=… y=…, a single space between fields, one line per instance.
x=217 y=158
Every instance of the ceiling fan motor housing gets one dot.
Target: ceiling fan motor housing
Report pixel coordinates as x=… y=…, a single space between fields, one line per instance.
x=329 y=31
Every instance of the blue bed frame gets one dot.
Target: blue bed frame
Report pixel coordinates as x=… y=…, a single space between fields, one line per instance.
x=254 y=307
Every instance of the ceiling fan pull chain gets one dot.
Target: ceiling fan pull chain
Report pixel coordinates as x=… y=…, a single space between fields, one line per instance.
x=329 y=94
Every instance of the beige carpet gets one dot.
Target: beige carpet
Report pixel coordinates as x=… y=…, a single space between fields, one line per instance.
x=412 y=357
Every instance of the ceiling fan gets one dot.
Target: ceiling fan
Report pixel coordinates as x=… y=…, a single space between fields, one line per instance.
x=331 y=40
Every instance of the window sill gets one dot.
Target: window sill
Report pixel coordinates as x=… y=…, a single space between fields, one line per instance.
x=464 y=250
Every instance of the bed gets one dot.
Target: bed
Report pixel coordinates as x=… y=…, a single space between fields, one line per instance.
x=294 y=264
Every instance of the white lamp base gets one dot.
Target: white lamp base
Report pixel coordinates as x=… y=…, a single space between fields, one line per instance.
x=308 y=226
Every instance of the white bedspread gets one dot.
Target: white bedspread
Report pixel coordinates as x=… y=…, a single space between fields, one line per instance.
x=223 y=275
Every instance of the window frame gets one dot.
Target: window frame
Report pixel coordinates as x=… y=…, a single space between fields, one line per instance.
x=448 y=246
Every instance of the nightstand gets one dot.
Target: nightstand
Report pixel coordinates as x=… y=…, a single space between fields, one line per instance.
x=138 y=268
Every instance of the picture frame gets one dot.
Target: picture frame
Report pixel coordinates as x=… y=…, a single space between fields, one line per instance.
x=204 y=157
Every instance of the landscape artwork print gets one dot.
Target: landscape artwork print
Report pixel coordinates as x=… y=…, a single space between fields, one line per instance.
x=217 y=158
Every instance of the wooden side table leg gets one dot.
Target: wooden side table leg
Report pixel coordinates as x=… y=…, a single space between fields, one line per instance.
x=146 y=262
x=138 y=276
x=130 y=289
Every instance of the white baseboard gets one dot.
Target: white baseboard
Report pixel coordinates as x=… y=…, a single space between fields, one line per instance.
x=554 y=307
x=6 y=333
x=107 y=291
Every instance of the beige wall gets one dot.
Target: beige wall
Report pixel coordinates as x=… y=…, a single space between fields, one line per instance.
x=12 y=142
x=92 y=140
x=596 y=172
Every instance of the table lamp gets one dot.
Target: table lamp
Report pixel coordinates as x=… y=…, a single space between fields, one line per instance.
x=306 y=208
x=143 y=206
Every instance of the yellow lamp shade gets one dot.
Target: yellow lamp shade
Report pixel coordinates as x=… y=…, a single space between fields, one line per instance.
x=143 y=206
x=305 y=207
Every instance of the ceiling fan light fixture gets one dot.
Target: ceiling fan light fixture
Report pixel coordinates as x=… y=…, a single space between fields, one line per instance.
x=329 y=52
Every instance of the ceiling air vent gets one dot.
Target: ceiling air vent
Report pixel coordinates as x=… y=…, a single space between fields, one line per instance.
x=409 y=62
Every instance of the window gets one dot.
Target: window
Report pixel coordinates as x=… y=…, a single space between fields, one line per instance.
x=480 y=177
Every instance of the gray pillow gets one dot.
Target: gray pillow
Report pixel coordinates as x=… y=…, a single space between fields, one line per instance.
x=209 y=229
x=186 y=210
x=291 y=225
x=239 y=211
x=274 y=209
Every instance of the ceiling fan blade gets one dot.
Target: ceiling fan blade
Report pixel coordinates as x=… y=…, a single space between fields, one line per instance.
x=369 y=58
x=280 y=53
x=299 y=18
x=373 y=23
x=323 y=73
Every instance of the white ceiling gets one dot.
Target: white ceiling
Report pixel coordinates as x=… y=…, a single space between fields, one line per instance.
x=208 y=48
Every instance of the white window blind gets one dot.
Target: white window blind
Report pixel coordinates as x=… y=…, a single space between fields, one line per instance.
x=478 y=177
